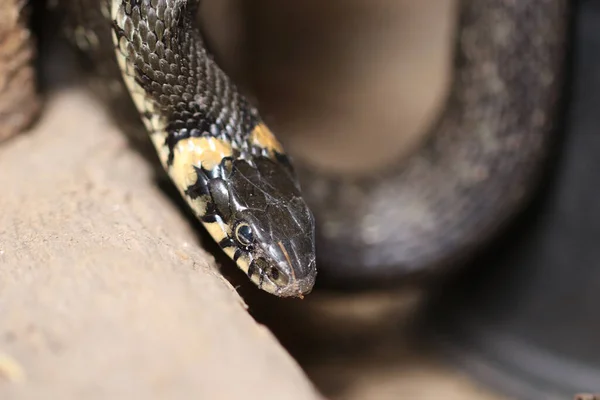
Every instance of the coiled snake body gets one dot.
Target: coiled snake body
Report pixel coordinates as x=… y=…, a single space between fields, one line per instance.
x=479 y=164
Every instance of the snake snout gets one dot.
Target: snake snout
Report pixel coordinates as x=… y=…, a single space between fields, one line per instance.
x=299 y=288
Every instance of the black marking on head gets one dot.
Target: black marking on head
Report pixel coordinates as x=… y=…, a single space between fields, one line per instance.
x=238 y=253
x=219 y=193
x=212 y=210
x=252 y=269
x=227 y=242
x=284 y=160
x=200 y=187
x=226 y=167
x=209 y=218
x=177 y=132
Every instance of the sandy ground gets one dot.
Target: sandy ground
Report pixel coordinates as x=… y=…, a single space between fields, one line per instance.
x=106 y=290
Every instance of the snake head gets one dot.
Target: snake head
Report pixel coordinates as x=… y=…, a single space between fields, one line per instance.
x=266 y=226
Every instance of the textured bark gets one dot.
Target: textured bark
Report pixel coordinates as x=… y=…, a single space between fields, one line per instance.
x=105 y=292
x=19 y=103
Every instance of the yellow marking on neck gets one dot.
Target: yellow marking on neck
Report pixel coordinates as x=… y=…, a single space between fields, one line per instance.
x=206 y=152
x=262 y=136
x=243 y=261
x=198 y=205
x=230 y=251
x=218 y=230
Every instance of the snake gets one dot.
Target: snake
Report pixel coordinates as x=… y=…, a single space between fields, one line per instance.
x=277 y=220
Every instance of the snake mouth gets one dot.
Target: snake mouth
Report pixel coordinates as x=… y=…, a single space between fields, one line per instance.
x=297 y=289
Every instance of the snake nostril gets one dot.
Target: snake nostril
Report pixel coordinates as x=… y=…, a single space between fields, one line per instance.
x=273 y=273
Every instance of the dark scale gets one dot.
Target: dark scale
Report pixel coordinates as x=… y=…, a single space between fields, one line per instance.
x=181 y=79
x=200 y=188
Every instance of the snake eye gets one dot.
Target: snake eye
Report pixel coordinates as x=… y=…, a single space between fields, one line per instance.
x=243 y=234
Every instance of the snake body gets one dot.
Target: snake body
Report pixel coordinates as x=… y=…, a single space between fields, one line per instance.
x=480 y=162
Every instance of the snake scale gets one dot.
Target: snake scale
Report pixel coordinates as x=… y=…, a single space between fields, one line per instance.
x=481 y=160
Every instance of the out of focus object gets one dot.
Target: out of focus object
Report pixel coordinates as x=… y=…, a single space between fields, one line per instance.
x=18 y=99
x=530 y=326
